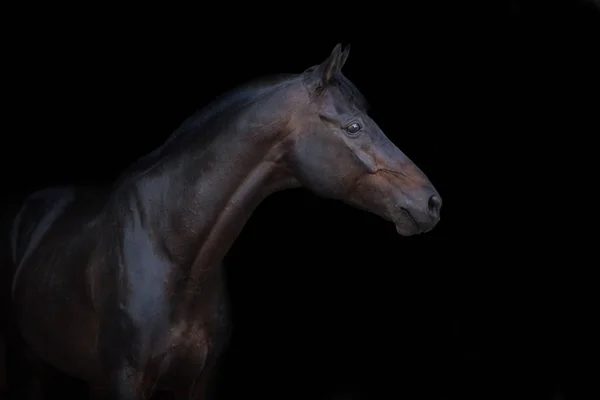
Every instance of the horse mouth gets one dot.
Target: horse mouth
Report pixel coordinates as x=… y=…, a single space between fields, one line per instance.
x=406 y=224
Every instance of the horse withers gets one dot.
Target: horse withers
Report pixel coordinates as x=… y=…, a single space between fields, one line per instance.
x=123 y=287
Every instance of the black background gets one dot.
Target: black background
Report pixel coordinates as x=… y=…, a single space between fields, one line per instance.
x=329 y=301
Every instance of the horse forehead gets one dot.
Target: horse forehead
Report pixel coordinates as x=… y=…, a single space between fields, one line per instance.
x=336 y=101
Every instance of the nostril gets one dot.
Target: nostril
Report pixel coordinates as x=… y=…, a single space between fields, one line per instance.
x=435 y=203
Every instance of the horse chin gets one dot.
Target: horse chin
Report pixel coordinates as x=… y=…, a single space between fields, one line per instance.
x=406 y=225
x=407 y=229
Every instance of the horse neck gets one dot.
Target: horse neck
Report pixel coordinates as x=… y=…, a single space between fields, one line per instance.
x=199 y=201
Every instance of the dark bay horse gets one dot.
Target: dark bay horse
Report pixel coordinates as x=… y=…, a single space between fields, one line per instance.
x=123 y=287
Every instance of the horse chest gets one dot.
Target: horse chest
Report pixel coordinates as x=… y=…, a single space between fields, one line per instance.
x=189 y=352
x=190 y=341
x=182 y=345
x=200 y=336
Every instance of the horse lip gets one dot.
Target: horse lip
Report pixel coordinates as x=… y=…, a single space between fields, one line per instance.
x=414 y=221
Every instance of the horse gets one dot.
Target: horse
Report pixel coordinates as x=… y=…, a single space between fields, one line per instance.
x=122 y=286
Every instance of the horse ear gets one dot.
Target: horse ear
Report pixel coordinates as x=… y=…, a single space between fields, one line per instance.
x=320 y=75
x=330 y=66
x=344 y=56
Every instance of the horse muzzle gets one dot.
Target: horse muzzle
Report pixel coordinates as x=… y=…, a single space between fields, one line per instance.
x=411 y=219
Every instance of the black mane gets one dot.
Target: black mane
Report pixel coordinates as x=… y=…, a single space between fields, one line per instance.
x=236 y=98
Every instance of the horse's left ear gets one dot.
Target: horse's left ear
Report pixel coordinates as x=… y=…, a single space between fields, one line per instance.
x=333 y=64
x=319 y=76
x=330 y=66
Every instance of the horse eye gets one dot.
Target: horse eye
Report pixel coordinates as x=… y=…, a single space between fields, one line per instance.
x=353 y=128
